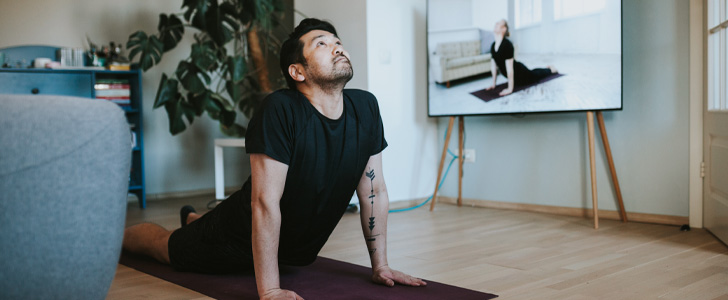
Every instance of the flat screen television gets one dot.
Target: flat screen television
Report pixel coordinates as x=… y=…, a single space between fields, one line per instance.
x=564 y=55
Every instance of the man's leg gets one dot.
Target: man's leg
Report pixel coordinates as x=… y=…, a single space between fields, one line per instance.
x=148 y=239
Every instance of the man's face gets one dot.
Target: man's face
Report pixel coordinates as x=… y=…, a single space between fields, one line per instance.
x=327 y=63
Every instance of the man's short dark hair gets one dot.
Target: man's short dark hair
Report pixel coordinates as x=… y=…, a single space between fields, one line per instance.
x=292 y=48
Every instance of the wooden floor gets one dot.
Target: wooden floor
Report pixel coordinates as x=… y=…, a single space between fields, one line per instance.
x=517 y=255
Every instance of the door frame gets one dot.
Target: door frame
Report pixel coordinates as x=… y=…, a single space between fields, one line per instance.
x=697 y=101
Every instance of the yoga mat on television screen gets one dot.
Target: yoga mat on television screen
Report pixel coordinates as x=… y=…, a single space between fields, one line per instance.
x=324 y=279
x=494 y=93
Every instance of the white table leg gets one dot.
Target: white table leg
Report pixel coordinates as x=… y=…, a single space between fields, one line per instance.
x=219 y=174
x=220 y=167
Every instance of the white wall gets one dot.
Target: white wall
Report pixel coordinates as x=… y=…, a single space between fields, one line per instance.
x=457 y=14
x=448 y=20
x=173 y=163
x=543 y=159
x=397 y=76
x=592 y=33
x=449 y=14
x=487 y=12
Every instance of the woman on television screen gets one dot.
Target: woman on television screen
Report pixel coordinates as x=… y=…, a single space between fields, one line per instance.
x=517 y=73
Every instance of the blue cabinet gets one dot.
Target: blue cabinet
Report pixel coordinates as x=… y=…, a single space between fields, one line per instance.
x=80 y=83
x=68 y=84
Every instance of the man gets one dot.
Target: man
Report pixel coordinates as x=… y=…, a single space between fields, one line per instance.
x=311 y=146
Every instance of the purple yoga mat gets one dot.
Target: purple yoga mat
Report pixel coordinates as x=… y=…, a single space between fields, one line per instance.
x=493 y=94
x=324 y=279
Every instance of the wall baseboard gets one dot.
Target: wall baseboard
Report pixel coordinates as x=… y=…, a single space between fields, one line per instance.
x=184 y=194
x=569 y=211
x=547 y=209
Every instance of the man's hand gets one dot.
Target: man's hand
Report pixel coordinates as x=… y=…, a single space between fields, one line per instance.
x=276 y=294
x=490 y=87
x=386 y=276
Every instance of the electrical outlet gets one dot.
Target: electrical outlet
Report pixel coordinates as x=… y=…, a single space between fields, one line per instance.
x=469 y=155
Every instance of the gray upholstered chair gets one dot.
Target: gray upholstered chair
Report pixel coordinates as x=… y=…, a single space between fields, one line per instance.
x=64 y=172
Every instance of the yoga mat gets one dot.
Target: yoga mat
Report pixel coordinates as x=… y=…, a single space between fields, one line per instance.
x=324 y=279
x=494 y=93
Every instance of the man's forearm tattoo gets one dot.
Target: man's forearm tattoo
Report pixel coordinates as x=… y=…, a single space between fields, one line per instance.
x=371 y=176
x=371 y=238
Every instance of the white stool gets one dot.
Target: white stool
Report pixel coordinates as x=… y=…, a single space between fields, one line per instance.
x=219 y=166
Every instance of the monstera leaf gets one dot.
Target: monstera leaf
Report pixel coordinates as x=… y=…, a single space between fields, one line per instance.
x=203 y=56
x=189 y=76
x=167 y=91
x=171 y=30
x=199 y=101
x=174 y=111
x=226 y=67
x=150 y=47
x=235 y=67
x=196 y=12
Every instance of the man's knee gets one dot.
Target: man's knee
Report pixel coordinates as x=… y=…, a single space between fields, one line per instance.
x=148 y=239
x=163 y=248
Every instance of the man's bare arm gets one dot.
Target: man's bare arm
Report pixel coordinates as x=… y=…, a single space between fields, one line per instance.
x=374 y=203
x=268 y=178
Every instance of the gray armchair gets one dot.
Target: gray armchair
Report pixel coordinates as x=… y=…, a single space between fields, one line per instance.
x=64 y=172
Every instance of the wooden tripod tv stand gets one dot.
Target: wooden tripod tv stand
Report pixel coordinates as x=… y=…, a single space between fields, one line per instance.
x=592 y=163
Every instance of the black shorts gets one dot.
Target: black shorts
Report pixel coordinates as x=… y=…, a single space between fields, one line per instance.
x=212 y=244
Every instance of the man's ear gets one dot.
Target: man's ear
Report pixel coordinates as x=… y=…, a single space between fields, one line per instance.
x=296 y=72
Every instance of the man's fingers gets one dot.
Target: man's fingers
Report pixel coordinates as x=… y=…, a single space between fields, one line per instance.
x=419 y=282
x=379 y=278
x=387 y=281
x=408 y=280
x=392 y=276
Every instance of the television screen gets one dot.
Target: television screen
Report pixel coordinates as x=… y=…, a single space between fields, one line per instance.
x=523 y=56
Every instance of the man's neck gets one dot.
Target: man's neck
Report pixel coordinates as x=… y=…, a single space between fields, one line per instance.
x=329 y=103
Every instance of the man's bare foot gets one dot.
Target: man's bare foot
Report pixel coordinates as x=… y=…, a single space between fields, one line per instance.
x=188 y=214
x=193 y=217
x=553 y=69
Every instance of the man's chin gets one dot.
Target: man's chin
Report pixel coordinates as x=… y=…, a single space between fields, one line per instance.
x=344 y=73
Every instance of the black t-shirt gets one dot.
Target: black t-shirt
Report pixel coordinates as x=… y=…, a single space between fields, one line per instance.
x=326 y=159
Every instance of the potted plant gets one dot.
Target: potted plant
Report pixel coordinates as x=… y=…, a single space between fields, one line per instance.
x=226 y=71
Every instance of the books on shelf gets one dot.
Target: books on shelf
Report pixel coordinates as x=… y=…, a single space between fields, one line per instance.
x=119 y=66
x=114 y=90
